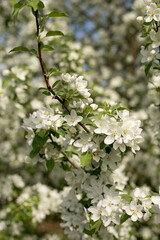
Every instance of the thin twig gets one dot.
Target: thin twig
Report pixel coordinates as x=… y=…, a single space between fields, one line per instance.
x=157 y=28
x=50 y=136
x=46 y=77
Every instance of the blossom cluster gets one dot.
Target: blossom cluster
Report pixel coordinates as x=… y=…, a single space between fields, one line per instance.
x=34 y=203
x=150 y=53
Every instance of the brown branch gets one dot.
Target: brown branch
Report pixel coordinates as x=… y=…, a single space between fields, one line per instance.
x=157 y=28
x=46 y=77
x=50 y=136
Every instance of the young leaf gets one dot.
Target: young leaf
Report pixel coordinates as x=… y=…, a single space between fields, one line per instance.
x=148 y=68
x=56 y=13
x=93 y=224
x=33 y=4
x=61 y=132
x=85 y=158
x=47 y=93
x=54 y=33
x=50 y=164
x=40 y=5
x=47 y=48
x=17 y=8
x=20 y=49
x=126 y=197
x=124 y=217
x=88 y=122
x=38 y=143
x=33 y=51
x=54 y=84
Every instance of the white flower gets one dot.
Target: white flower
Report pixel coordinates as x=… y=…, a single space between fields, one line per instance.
x=98 y=154
x=147 y=204
x=147 y=54
x=140 y=19
x=113 y=132
x=134 y=210
x=84 y=142
x=156 y=199
x=111 y=160
x=56 y=121
x=19 y=72
x=96 y=211
x=110 y=215
x=140 y=193
x=81 y=87
x=73 y=118
x=147 y=2
x=153 y=13
x=155 y=37
x=102 y=125
x=111 y=197
x=68 y=78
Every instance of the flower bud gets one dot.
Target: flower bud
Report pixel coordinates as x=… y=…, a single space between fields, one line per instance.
x=140 y=19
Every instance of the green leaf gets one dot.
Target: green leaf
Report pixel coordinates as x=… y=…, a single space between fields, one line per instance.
x=89 y=232
x=152 y=211
x=56 y=145
x=54 y=71
x=88 y=109
x=33 y=51
x=50 y=164
x=46 y=47
x=33 y=4
x=88 y=122
x=154 y=193
x=54 y=33
x=42 y=88
x=93 y=224
x=85 y=158
x=47 y=93
x=126 y=197
x=20 y=49
x=38 y=142
x=56 y=13
x=61 y=132
x=148 y=68
x=40 y=5
x=54 y=84
x=124 y=217
x=17 y=8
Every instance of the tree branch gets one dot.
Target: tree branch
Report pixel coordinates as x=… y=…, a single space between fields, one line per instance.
x=50 y=136
x=46 y=77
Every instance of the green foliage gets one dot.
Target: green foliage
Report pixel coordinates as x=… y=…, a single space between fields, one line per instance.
x=35 y=4
x=17 y=7
x=38 y=142
x=54 y=33
x=88 y=122
x=46 y=47
x=85 y=158
x=146 y=29
x=54 y=71
x=55 y=84
x=56 y=13
x=124 y=217
x=126 y=197
x=20 y=49
x=93 y=224
x=148 y=67
x=47 y=93
x=50 y=164
x=24 y=49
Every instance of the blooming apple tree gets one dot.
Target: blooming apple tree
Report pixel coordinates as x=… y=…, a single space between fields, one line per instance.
x=91 y=140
